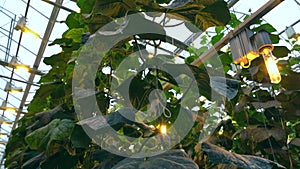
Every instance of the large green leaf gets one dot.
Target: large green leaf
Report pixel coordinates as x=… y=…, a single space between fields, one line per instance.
x=56 y=130
x=60 y=160
x=268 y=27
x=47 y=97
x=86 y=6
x=281 y=51
x=75 y=34
x=220 y=156
x=115 y=120
x=171 y=159
x=75 y=20
x=79 y=138
x=215 y=14
x=34 y=162
x=260 y=133
x=202 y=14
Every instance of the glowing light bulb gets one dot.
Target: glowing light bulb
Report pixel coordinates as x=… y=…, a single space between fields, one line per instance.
x=22 y=68
x=3 y=134
x=271 y=65
x=298 y=38
x=163 y=129
x=6 y=122
x=16 y=90
x=27 y=30
x=150 y=55
x=10 y=110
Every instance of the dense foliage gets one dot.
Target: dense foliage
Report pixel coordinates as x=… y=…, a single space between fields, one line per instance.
x=260 y=120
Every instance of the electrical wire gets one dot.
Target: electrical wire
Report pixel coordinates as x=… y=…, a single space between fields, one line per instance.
x=36 y=10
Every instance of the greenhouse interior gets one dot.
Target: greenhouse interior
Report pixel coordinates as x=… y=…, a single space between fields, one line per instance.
x=149 y=84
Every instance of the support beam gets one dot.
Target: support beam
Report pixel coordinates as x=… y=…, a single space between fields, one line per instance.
x=249 y=21
x=59 y=6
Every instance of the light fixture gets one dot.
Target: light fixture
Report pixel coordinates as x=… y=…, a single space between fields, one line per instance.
x=291 y=33
x=163 y=129
x=9 y=88
x=265 y=48
x=7 y=109
x=247 y=46
x=242 y=48
x=22 y=67
x=2 y=121
x=3 y=134
x=21 y=25
x=19 y=66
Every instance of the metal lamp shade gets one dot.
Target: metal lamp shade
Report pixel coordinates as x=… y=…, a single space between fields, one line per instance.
x=262 y=40
x=242 y=48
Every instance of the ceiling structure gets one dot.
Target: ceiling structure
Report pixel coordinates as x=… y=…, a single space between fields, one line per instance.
x=18 y=48
x=46 y=19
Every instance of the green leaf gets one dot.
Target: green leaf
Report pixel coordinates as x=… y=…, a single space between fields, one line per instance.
x=203 y=15
x=43 y=118
x=216 y=14
x=75 y=34
x=171 y=159
x=294 y=60
x=220 y=156
x=56 y=130
x=75 y=20
x=281 y=51
x=86 y=6
x=296 y=47
x=79 y=138
x=219 y=29
x=34 y=162
x=62 y=42
x=234 y=22
x=291 y=81
x=274 y=38
x=47 y=96
x=268 y=27
x=226 y=59
x=216 y=38
x=114 y=119
x=60 y=160
x=139 y=89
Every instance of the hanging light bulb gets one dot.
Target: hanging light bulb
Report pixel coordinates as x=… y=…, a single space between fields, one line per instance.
x=27 y=30
x=163 y=129
x=21 y=25
x=265 y=48
x=3 y=134
x=10 y=110
x=19 y=66
x=22 y=67
x=271 y=66
x=7 y=109
x=9 y=88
